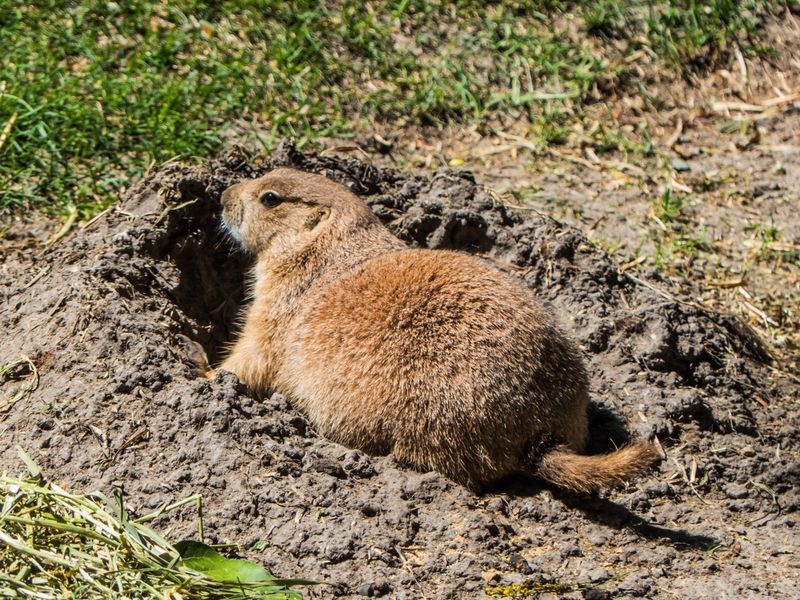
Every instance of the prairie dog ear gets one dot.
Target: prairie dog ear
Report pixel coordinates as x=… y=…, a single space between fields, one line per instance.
x=316 y=216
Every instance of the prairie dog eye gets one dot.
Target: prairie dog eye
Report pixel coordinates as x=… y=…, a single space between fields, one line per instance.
x=270 y=199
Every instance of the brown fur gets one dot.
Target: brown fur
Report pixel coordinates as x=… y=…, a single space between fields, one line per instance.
x=569 y=470
x=435 y=356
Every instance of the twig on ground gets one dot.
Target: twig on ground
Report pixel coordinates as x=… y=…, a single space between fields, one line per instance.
x=32 y=383
x=64 y=230
x=96 y=218
x=172 y=208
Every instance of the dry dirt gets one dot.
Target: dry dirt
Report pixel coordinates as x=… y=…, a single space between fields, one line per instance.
x=110 y=315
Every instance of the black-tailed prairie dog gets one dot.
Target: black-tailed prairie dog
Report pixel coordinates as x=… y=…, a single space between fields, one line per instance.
x=435 y=356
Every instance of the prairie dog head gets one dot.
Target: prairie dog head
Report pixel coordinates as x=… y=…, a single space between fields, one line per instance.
x=283 y=211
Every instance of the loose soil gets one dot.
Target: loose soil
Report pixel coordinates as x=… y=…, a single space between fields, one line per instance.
x=113 y=314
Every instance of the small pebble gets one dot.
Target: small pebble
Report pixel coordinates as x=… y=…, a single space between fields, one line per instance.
x=680 y=165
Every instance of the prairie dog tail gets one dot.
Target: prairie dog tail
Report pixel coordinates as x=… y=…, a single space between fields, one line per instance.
x=581 y=473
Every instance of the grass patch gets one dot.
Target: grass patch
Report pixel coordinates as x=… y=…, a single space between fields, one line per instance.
x=55 y=544
x=527 y=589
x=91 y=92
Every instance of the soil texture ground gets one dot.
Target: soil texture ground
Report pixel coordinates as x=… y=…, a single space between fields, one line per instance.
x=112 y=314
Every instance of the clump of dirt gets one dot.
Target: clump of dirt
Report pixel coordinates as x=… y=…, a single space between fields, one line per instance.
x=111 y=315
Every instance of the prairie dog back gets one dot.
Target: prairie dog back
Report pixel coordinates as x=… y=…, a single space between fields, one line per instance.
x=439 y=358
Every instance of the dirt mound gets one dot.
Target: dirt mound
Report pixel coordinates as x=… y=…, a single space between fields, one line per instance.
x=110 y=316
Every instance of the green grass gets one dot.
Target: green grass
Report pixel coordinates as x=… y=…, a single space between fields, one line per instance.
x=678 y=239
x=93 y=92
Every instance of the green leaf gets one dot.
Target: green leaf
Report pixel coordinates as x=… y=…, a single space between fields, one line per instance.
x=204 y=559
x=207 y=561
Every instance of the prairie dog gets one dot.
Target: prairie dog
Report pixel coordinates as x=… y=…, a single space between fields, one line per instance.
x=433 y=355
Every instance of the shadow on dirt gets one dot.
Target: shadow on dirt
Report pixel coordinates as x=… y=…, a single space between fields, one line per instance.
x=605 y=512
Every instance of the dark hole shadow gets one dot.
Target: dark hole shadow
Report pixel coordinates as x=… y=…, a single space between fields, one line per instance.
x=211 y=284
x=211 y=291
x=607 y=431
